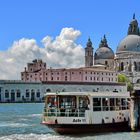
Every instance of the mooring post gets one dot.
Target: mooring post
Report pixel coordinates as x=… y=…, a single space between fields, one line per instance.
x=133 y=113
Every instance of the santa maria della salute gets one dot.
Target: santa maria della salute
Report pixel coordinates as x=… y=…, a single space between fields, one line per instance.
x=100 y=72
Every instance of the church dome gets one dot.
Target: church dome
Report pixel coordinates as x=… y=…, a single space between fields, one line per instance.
x=104 y=52
x=129 y=43
x=132 y=41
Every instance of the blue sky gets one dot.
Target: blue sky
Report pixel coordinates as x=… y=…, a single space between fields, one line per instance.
x=56 y=31
x=38 y=18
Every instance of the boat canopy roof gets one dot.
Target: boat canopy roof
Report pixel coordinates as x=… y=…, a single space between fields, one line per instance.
x=92 y=94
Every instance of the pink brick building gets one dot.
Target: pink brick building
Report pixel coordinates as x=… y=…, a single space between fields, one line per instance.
x=37 y=71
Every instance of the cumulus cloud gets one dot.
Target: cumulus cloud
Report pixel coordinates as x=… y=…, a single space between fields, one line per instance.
x=61 y=51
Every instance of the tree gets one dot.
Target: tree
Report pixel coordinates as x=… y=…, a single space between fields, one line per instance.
x=122 y=78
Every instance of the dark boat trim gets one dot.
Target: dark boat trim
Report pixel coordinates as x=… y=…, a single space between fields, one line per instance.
x=84 y=128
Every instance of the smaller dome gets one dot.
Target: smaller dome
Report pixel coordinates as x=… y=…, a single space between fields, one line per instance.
x=104 y=52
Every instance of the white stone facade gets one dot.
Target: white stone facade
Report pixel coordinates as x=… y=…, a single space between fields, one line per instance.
x=19 y=91
x=129 y=64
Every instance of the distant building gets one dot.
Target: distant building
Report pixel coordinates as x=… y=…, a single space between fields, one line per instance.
x=127 y=58
x=20 y=91
x=83 y=74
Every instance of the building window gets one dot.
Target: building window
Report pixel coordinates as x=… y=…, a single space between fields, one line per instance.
x=6 y=94
x=52 y=78
x=46 y=73
x=72 y=72
x=18 y=93
x=57 y=73
x=86 y=78
x=48 y=90
x=57 y=78
x=91 y=78
x=38 y=94
x=79 y=72
x=106 y=62
x=27 y=93
x=102 y=78
x=66 y=73
x=122 y=66
x=135 y=66
x=66 y=78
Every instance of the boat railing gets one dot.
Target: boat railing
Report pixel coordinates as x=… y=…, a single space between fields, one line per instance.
x=60 y=112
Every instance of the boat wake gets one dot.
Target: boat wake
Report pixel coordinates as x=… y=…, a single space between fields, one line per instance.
x=32 y=136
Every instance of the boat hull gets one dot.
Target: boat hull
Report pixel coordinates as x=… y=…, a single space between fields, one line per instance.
x=89 y=128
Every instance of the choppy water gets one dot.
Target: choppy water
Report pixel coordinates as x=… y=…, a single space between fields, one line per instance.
x=22 y=122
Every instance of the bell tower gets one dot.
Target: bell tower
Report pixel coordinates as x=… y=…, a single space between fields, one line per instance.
x=89 y=54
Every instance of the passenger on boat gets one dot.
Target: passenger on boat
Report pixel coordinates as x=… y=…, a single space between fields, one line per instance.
x=62 y=108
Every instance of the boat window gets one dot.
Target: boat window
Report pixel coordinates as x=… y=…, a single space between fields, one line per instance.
x=112 y=104
x=51 y=101
x=123 y=103
x=83 y=102
x=105 y=104
x=96 y=104
x=118 y=104
x=67 y=102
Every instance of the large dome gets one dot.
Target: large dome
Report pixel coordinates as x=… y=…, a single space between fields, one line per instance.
x=104 y=52
x=129 y=43
x=132 y=41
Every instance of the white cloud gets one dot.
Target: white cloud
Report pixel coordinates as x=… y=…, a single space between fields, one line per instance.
x=59 y=52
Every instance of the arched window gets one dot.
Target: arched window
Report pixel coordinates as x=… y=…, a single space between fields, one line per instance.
x=122 y=66
x=6 y=93
x=27 y=93
x=32 y=95
x=12 y=91
x=18 y=93
x=48 y=90
x=106 y=63
x=135 y=66
x=138 y=81
x=38 y=93
x=63 y=90
x=139 y=66
x=66 y=78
